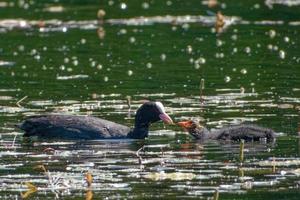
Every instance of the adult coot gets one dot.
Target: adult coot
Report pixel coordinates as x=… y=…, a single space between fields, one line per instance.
x=86 y=127
x=246 y=132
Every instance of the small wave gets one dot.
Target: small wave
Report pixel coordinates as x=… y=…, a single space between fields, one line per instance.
x=295 y=23
x=269 y=22
x=289 y=3
x=6 y=63
x=47 y=25
x=78 y=76
x=168 y=19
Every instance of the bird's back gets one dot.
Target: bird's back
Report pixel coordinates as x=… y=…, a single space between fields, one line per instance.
x=244 y=131
x=73 y=127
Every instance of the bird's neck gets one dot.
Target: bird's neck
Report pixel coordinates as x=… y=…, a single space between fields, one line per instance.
x=203 y=134
x=138 y=133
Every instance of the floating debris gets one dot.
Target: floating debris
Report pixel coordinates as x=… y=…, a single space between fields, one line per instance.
x=210 y=3
x=101 y=13
x=101 y=33
x=22 y=99
x=31 y=189
x=220 y=22
x=89 y=179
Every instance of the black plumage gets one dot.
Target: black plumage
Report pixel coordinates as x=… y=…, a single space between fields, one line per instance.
x=247 y=132
x=87 y=127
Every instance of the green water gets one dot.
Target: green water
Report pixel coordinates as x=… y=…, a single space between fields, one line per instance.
x=52 y=56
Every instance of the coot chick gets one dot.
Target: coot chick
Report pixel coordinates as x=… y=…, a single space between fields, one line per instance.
x=246 y=132
x=87 y=127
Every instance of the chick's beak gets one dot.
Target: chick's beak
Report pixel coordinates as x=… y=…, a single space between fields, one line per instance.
x=166 y=118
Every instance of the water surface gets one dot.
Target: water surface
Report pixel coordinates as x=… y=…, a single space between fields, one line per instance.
x=57 y=56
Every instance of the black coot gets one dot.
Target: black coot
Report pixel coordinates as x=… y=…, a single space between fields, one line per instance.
x=86 y=127
x=246 y=132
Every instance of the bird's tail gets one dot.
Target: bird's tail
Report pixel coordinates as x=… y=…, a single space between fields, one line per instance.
x=19 y=125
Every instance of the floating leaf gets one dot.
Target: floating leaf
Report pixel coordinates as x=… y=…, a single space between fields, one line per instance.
x=31 y=189
x=42 y=167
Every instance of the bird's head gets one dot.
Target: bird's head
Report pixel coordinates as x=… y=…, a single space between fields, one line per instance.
x=193 y=128
x=151 y=112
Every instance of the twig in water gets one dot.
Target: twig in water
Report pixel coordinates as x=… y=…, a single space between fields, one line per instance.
x=14 y=141
x=12 y=144
x=162 y=151
x=54 y=182
x=242 y=90
x=273 y=165
x=241 y=171
x=18 y=102
x=242 y=143
x=162 y=163
x=128 y=100
x=220 y=22
x=89 y=178
x=140 y=159
x=201 y=89
x=216 y=195
x=49 y=150
x=51 y=180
